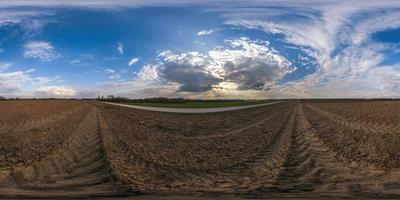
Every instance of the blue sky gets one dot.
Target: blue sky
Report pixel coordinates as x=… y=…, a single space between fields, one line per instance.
x=197 y=49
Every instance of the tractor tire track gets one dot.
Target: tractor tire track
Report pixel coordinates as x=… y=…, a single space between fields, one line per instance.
x=34 y=123
x=78 y=168
x=355 y=124
x=139 y=171
x=310 y=165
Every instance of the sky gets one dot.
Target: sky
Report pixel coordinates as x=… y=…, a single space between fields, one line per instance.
x=200 y=49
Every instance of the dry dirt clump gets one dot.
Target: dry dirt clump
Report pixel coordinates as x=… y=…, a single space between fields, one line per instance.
x=292 y=149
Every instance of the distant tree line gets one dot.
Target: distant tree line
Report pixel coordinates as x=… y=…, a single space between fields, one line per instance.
x=9 y=98
x=19 y=98
x=112 y=98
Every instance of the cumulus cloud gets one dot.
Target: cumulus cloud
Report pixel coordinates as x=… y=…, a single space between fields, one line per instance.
x=56 y=91
x=242 y=64
x=205 y=32
x=148 y=73
x=251 y=64
x=41 y=50
x=133 y=61
x=189 y=70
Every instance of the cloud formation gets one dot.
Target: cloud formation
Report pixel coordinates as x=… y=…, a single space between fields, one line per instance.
x=148 y=73
x=189 y=70
x=12 y=82
x=133 y=61
x=41 y=50
x=339 y=37
x=205 y=32
x=112 y=74
x=243 y=64
x=56 y=91
x=120 y=48
x=252 y=65
x=44 y=80
x=4 y=66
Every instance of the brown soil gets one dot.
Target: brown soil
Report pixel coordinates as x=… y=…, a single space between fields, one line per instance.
x=80 y=149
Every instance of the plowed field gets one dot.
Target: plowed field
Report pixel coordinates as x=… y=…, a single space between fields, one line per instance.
x=66 y=148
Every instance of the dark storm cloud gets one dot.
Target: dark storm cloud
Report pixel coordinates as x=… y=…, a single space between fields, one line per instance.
x=188 y=70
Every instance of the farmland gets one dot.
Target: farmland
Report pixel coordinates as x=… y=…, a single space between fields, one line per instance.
x=202 y=104
x=337 y=148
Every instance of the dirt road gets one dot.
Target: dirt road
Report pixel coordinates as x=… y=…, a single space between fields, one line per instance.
x=191 y=110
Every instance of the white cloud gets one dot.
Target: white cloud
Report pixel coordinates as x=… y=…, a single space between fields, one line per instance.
x=114 y=76
x=12 y=82
x=17 y=16
x=251 y=64
x=120 y=48
x=43 y=80
x=56 y=91
x=5 y=66
x=41 y=50
x=133 y=61
x=29 y=21
x=111 y=71
x=148 y=73
x=205 y=32
x=75 y=62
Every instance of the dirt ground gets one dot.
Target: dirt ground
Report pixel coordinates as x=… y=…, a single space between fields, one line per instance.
x=308 y=149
